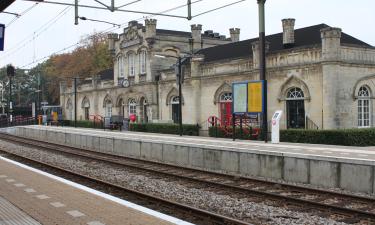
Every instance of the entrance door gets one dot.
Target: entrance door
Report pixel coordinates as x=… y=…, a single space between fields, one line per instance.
x=225 y=113
x=175 y=113
x=295 y=113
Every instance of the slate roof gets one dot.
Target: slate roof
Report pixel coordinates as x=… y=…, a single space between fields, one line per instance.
x=304 y=37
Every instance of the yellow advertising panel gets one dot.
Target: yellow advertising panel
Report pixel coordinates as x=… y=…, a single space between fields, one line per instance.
x=254 y=97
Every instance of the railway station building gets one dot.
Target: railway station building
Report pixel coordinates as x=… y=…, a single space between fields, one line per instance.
x=317 y=74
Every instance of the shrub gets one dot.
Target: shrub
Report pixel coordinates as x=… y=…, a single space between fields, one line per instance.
x=348 y=137
x=188 y=129
x=81 y=123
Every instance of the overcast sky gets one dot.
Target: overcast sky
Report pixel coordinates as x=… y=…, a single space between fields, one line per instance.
x=46 y=28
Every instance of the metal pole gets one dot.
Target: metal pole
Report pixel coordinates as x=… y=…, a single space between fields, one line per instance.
x=10 y=99
x=75 y=102
x=179 y=96
x=262 y=66
x=38 y=103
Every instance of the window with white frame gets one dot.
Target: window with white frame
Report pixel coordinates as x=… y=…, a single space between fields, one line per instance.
x=142 y=62
x=131 y=64
x=132 y=107
x=108 y=109
x=226 y=97
x=120 y=61
x=364 y=107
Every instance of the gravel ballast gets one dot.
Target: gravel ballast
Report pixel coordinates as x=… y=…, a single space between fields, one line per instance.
x=241 y=209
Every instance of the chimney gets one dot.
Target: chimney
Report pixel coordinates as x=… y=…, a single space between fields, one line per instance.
x=256 y=51
x=112 y=38
x=196 y=30
x=150 y=28
x=234 y=34
x=331 y=43
x=288 y=32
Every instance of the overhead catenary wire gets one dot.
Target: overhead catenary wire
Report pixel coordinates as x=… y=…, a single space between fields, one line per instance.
x=111 y=29
x=21 y=14
x=28 y=39
x=108 y=30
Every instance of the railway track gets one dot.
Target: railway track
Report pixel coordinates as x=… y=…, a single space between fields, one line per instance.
x=337 y=206
x=188 y=213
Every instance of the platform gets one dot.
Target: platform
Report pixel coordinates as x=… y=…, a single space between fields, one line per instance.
x=349 y=168
x=33 y=197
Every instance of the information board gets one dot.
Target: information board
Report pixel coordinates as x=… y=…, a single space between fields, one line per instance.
x=240 y=96
x=248 y=97
x=255 y=97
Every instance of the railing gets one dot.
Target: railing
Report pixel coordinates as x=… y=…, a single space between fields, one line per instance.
x=244 y=126
x=18 y=121
x=310 y=125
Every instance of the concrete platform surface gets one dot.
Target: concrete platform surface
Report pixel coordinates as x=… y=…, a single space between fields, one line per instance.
x=39 y=197
x=294 y=149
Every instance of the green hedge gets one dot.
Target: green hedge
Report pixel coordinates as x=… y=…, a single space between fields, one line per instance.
x=220 y=133
x=348 y=137
x=188 y=129
x=82 y=123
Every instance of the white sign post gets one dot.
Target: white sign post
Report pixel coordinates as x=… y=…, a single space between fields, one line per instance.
x=275 y=139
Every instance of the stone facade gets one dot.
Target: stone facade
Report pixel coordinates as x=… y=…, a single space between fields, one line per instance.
x=315 y=73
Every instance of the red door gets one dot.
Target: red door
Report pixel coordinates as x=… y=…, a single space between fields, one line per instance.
x=225 y=113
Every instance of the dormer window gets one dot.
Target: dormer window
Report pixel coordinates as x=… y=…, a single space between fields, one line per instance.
x=120 y=63
x=142 y=62
x=131 y=63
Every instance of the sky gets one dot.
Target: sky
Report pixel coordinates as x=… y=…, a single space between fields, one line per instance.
x=44 y=29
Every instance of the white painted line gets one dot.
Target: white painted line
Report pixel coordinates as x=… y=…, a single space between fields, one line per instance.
x=42 y=197
x=19 y=185
x=362 y=155
x=103 y=195
x=57 y=204
x=311 y=150
x=95 y=223
x=3 y=176
x=10 y=180
x=29 y=190
x=344 y=153
x=328 y=152
x=75 y=213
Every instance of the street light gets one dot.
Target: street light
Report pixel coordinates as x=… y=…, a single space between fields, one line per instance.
x=100 y=21
x=180 y=80
x=10 y=73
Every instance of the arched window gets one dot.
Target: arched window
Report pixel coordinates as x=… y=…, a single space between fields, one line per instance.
x=364 y=115
x=86 y=108
x=225 y=104
x=295 y=93
x=108 y=107
x=120 y=63
x=132 y=106
x=69 y=107
x=295 y=108
x=131 y=64
x=175 y=101
x=226 y=97
x=142 y=62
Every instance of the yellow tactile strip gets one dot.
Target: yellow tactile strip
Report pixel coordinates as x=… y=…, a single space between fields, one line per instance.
x=40 y=195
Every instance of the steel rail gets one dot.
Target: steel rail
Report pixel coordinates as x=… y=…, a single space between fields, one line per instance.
x=288 y=187
x=185 y=209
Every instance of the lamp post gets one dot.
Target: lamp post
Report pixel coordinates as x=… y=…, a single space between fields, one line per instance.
x=179 y=78
x=10 y=74
x=262 y=65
